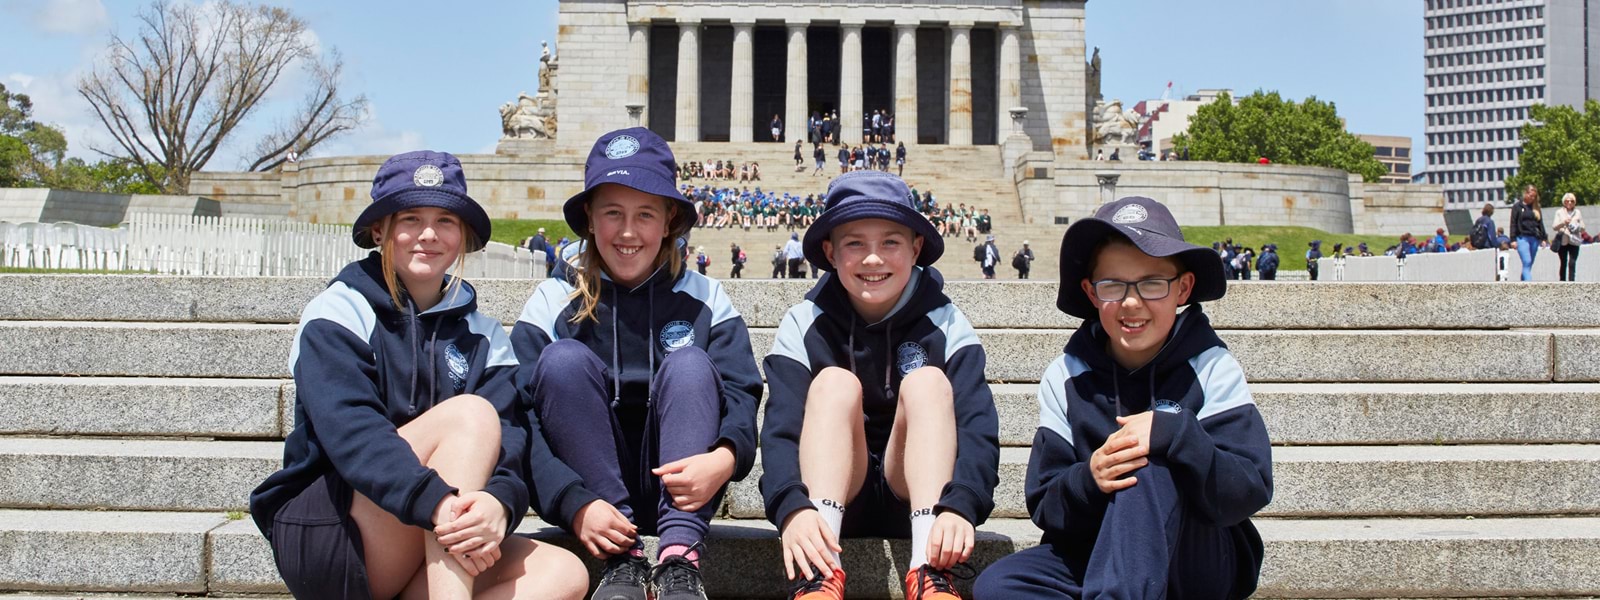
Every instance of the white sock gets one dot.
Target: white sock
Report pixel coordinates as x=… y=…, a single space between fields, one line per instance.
x=921 y=525
x=832 y=514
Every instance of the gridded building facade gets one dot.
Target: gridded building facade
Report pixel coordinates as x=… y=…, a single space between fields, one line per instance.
x=1486 y=62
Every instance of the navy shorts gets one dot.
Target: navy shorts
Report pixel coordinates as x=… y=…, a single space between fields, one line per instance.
x=317 y=544
x=876 y=511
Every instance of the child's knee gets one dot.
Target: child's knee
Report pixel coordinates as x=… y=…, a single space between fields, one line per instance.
x=926 y=387
x=472 y=417
x=835 y=387
x=689 y=361
x=567 y=358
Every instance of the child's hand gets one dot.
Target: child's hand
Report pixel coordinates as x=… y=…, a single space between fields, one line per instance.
x=950 y=541
x=478 y=527
x=694 y=480
x=1137 y=426
x=808 y=544
x=603 y=530
x=1120 y=455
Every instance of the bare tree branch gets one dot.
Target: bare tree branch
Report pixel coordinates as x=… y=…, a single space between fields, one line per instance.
x=174 y=95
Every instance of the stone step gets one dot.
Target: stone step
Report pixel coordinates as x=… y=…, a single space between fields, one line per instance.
x=989 y=304
x=1295 y=413
x=192 y=553
x=1014 y=355
x=1348 y=481
x=145 y=406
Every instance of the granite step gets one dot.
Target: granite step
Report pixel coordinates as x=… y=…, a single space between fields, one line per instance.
x=1312 y=481
x=215 y=350
x=1295 y=413
x=989 y=304
x=191 y=553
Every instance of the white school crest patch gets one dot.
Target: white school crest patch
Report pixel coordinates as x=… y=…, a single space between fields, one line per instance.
x=910 y=357
x=427 y=176
x=1132 y=213
x=676 y=336
x=621 y=146
x=458 y=367
x=1167 y=406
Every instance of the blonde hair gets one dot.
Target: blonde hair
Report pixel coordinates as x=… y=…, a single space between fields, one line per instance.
x=586 y=278
x=1569 y=196
x=469 y=239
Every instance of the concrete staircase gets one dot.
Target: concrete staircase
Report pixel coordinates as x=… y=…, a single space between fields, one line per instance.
x=1432 y=440
x=971 y=175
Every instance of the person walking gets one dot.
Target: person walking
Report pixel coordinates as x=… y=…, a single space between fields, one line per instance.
x=794 y=254
x=737 y=259
x=1267 y=265
x=778 y=262
x=820 y=157
x=1023 y=261
x=701 y=260
x=777 y=130
x=991 y=257
x=1527 y=229
x=1568 y=236
x=799 y=159
x=900 y=158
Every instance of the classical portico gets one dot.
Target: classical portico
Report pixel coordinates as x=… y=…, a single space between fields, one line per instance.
x=947 y=70
x=725 y=79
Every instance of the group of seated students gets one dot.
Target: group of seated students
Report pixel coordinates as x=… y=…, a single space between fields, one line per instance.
x=625 y=399
x=720 y=207
x=719 y=170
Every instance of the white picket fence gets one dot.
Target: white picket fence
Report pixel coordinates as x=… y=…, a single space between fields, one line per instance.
x=222 y=246
x=1476 y=265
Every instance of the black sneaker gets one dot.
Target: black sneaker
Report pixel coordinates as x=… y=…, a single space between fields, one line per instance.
x=623 y=578
x=676 y=578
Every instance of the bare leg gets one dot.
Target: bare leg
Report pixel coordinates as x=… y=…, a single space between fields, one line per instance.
x=830 y=470
x=532 y=570
x=460 y=439
x=925 y=428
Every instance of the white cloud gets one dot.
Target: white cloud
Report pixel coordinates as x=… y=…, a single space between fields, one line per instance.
x=72 y=17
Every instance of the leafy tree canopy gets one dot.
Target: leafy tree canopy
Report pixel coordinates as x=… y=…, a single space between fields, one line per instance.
x=1264 y=124
x=1560 y=154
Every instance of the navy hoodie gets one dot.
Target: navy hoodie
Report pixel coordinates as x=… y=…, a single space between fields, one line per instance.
x=924 y=328
x=661 y=314
x=363 y=369
x=1205 y=426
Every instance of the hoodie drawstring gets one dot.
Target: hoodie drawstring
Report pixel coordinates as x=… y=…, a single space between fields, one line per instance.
x=616 y=363
x=411 y=327
x=888 y=360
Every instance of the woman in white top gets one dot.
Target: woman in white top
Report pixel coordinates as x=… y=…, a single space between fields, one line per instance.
x=1568 y=233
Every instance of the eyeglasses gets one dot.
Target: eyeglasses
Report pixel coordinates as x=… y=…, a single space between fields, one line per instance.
x=1115 y=290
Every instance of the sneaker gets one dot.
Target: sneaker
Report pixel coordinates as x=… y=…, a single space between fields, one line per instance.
x=676 y=578
x=818 y=588
x=623 y=578
x=928 y=583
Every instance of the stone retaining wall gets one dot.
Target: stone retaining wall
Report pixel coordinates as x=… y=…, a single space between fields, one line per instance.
x=42 y=205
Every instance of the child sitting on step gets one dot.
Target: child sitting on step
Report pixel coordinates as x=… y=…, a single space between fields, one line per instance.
x=640 y=372
x=880 y=422
x=1150 y=456
x=403 y=475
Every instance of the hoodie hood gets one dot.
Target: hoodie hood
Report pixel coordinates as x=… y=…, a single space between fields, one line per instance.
x=924 y=292
x=1191 y=336
x=365 y=276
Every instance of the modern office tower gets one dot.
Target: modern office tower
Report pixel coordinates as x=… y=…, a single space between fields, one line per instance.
x=1486 y=62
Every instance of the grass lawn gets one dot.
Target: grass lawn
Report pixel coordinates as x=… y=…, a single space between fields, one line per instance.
x=513 y=231
x=1291 y=241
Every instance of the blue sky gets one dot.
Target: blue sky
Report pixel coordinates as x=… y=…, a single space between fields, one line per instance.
x=435 y=75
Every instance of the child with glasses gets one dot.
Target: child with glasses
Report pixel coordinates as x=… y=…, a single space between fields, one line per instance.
x=1150 y=456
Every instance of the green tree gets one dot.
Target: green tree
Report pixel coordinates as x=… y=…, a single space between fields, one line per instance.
x=29 y=150
x=1263 y=124
x=1560 y=154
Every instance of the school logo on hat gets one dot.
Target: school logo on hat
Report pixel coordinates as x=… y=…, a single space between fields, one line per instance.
x=676 y=336
x=458 y=367
x=1132 y=213
x=621 y=146
x=427 y=176
x=910 y=357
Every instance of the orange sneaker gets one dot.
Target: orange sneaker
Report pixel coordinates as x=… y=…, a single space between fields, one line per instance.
x=818 y=588
x=928 y=583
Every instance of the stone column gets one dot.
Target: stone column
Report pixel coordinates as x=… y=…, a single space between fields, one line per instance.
x=1010 y=67
x=688 y=126
x=850 y=82
x=1108 y=185
x=743 y=93
x=639 y=65
x=961 y=83
x=795 y=91
x=905 y=81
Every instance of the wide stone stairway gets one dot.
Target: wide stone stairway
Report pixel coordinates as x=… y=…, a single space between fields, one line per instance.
x=1431 y=440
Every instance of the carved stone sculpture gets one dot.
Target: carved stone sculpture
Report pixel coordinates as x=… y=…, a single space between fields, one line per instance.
x=1112 y=125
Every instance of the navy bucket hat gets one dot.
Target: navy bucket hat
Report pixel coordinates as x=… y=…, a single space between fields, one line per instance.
x=418 y=179
x=869 y=195
x=1149 y=226
x=635 y=157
